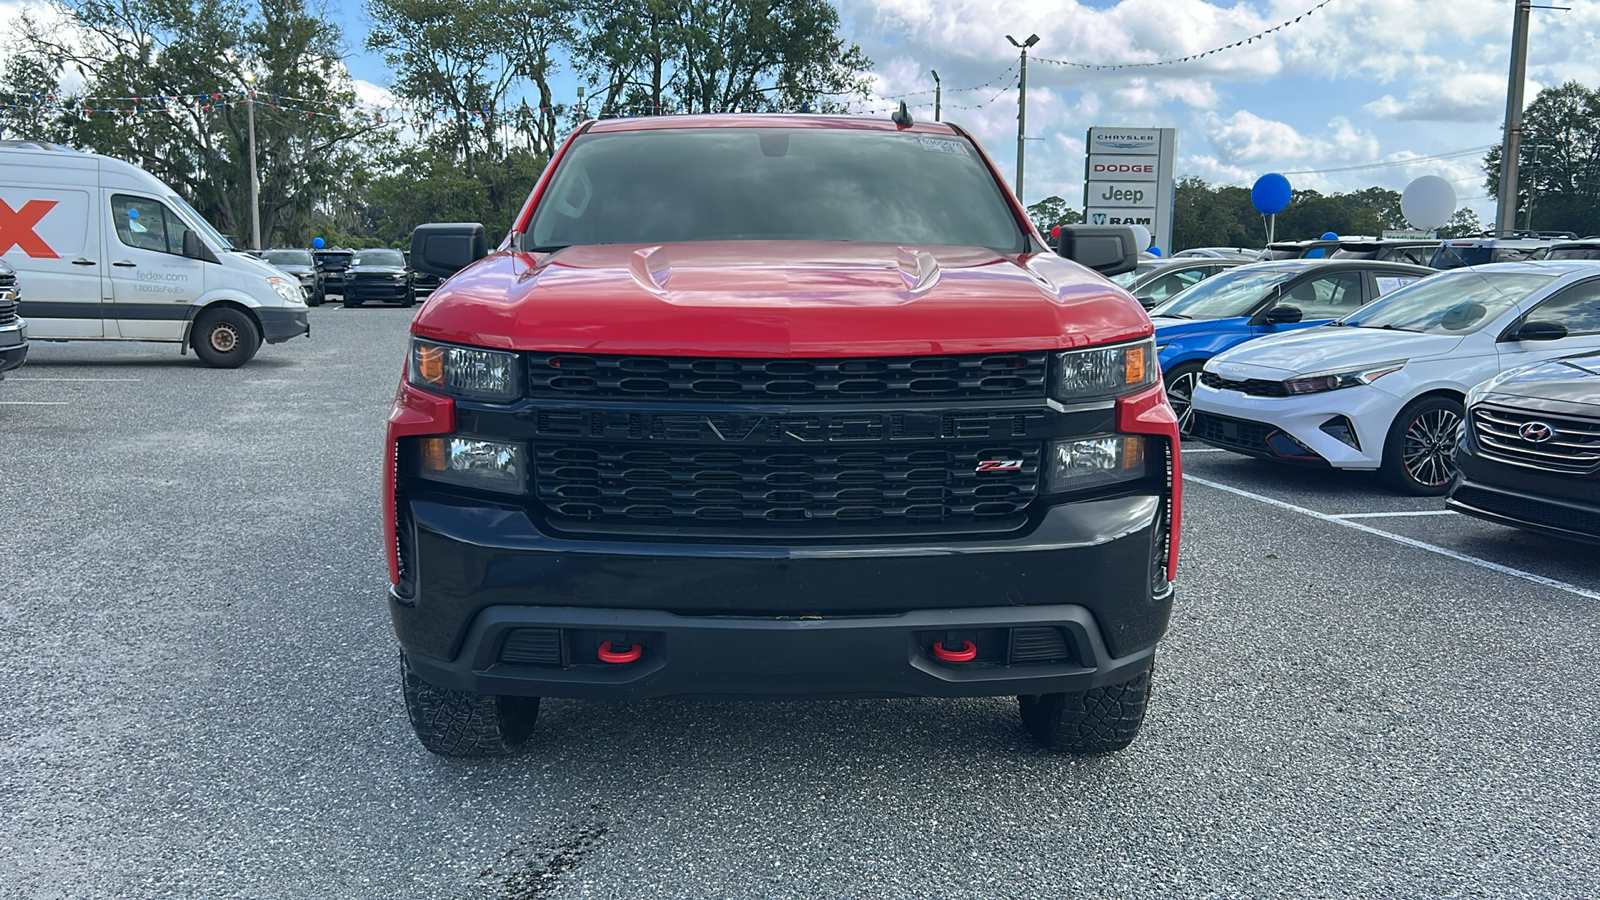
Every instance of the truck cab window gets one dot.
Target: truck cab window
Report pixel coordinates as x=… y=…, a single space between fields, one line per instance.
x=146 y=224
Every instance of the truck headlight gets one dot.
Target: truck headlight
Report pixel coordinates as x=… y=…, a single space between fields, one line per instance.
x=466 y=373
x=475 y=463
x=290 y=293
x=1101 y=373
x=1094 y=462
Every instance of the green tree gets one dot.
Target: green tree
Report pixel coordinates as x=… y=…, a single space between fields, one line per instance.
x=1204 y=216
x=1463 y=224
x=1053 y=211
x=1559 y=163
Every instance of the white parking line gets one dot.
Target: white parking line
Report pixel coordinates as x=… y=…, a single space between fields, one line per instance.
x=33 y=402
x=1397 y=538
x=1394 y=515
x=30 y=378
x=1186 y=451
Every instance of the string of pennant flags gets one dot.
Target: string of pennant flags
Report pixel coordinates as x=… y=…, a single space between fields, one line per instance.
x=1193 y=57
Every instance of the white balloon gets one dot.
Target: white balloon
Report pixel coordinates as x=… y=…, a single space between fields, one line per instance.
x=1141 y=237
x=1428 y=202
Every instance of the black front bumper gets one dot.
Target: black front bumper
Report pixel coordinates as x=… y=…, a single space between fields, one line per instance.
x=388 y=291
x=279 y=324
x=1257 y=439
x=1561 y=505
x=718 y=620
x=13 y=346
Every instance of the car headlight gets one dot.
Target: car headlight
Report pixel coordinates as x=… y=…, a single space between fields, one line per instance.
x=1101 y=373
x=1318 y=382
x=290 y=293
x=1081 y=463
x=466 y=373
x=474 y=462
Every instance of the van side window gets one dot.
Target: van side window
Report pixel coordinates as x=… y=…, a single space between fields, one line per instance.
x=146 y=224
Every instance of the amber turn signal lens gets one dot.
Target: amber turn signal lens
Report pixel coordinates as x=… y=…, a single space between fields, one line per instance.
x=433 y=454
x=430 y=364
x=1133 y=366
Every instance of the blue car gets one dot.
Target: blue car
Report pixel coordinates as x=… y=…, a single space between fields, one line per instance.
x=1263 y=298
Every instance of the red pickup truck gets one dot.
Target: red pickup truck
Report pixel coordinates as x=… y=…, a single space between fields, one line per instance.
x=778 y=407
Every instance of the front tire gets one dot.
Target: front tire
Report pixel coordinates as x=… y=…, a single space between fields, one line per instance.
x=225 y=338
x=1099 y=720
x=462 y=724
x=410 y=299
x=1180 y=384
x=1419 y=454
x=349 y=303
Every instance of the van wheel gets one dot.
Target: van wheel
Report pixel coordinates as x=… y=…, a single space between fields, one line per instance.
x=1099 y=720
x=225 y=338
x=457 y=723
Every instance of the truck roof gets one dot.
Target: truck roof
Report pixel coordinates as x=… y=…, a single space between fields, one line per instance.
x=763 y=120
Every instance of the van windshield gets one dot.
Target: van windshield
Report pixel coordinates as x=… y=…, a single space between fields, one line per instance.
x=199 y=222
x=748 y=184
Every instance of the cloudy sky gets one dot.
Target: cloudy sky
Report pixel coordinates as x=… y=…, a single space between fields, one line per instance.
x=1417 y=85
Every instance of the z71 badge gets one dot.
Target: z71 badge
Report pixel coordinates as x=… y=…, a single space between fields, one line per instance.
x=1000 y=465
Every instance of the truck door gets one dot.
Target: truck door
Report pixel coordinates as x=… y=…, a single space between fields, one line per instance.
x=51 y=237
x=153 y=285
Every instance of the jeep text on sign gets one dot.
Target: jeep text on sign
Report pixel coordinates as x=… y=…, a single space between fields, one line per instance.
x=1112 y=193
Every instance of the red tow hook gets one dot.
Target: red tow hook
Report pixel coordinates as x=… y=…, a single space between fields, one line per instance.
x=967 y=653
x=627 y=656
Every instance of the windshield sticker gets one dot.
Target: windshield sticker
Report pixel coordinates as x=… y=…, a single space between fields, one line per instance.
x=935 y=145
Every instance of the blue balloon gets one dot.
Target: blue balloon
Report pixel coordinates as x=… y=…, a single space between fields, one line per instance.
x=1155 y=251
x=1270 y=194
x=1318 y=253
x=1329 y=236
x=133 y=213
x=317 y=243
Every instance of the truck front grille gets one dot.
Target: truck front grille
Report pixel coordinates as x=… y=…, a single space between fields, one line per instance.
x=1572 y=445
x=1009 y=376
x=813 y=490
x=8 y=299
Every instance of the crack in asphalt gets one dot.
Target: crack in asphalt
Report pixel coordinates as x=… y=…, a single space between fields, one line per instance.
x=529 y=871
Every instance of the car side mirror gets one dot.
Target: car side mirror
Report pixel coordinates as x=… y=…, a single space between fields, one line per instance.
x=1148 y=302
x=445 y=248
x=191 y=244
x=1107 y=249
x=1283 y=315
x=1540 y=331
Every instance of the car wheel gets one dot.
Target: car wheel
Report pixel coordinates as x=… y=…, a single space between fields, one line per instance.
x=457 y=723
x=349 y=303
x=224 y=338
x=410 y=299
x=313 y=299
x=1419 y=455
x=1180 y=384
x=1099 y=720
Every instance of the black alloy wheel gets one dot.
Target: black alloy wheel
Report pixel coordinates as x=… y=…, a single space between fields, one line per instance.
x=1181 y=382
x=1419 y=456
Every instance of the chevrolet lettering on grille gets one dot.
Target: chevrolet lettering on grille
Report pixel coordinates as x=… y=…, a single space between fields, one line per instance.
x=783 y=429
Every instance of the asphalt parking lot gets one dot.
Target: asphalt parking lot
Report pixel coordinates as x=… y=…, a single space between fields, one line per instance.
x=1360 y=695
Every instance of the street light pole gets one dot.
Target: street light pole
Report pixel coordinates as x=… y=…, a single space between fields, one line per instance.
x=1022 y=103
x=1505 y=219
x=255 y=181
x=938 y=93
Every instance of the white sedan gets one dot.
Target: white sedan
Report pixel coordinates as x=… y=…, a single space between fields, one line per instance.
x=1382 y=388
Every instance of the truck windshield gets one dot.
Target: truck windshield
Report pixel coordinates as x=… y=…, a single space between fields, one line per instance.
x=744 y=184
x=378 y=258
x=1224 y=296
x=1453 y=303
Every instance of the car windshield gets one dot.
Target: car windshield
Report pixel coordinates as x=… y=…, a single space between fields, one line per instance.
x=1453 y=303
x=1223 y=296
x=379 y=258
x=288 y=257
x=1357 y=251
x=743 y=184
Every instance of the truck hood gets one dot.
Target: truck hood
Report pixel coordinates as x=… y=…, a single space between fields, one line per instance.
x=1326 y=348
x=779 y=298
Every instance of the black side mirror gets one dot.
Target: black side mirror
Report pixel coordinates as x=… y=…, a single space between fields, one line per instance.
x=191 y=244
x=445 y=248
x=1148 y=302
x=1283 y=315
x=1540 y=331
x=1107 y=249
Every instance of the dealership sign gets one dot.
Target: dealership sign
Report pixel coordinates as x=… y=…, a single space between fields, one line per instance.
x=1128 y=179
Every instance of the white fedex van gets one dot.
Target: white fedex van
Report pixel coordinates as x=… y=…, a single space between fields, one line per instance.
x=109 y=253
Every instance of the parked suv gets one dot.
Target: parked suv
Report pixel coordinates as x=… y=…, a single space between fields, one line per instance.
x=774 y=407
x=1492 y=247
x=1416 y=252
x=13 y=328
x=332 y=262
x=303 y=267
x=378 y=275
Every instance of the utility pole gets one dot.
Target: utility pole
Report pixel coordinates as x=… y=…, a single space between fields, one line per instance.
x=255 y=181
x=938 y=93
x=1505 y=219
x=1022 y=102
